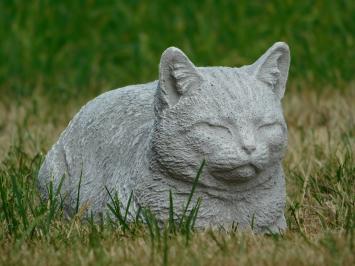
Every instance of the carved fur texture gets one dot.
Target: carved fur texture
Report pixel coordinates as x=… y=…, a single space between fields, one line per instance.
x=150 y=138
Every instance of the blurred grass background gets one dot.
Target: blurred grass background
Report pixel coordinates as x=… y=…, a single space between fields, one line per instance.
x=55 y=55
x=69 y=48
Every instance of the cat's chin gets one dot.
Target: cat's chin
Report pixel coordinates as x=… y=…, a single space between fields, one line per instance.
x=242 y=173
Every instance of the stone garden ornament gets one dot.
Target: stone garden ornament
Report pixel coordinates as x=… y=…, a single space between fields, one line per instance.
x=151 y=138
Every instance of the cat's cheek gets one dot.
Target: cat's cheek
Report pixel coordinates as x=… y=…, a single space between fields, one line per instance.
x=276 y=141
x=278 y=145
x=202 y=146
x=276 y=149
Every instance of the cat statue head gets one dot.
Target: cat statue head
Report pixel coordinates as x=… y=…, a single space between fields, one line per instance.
x=231 y=117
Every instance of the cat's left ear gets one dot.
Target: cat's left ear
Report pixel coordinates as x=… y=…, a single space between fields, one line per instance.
x=272 y=68
x=177 y=76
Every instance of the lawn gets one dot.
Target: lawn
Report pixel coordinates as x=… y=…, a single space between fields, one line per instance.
x=55 y=56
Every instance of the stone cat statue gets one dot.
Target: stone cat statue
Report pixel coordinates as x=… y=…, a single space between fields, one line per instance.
x=151 y=138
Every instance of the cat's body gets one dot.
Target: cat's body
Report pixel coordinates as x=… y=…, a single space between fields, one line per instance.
x=151 y=138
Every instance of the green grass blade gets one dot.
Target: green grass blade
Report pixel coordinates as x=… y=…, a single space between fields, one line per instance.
x=194 y=185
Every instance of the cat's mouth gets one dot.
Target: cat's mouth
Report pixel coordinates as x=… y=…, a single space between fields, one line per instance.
x=238 y=174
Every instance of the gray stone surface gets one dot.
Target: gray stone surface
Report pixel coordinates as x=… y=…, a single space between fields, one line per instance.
x=152 y=138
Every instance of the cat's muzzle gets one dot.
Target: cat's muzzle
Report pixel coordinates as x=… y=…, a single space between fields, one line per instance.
x=238 y=174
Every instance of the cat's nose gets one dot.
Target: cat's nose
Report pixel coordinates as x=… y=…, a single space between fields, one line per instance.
x=249 y=148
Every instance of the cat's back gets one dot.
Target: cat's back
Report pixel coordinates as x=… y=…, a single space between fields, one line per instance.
x=104 y=133
x=120 y=109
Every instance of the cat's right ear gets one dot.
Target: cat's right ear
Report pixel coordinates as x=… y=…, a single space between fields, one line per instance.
x=272 y=68
x=177 y=75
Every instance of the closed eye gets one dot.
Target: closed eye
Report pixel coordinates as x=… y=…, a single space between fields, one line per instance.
x=211 y=128
x=270 y=125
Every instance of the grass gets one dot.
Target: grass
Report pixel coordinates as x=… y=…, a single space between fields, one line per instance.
x=319 y=169
x=69 y=48
x=55 y=55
